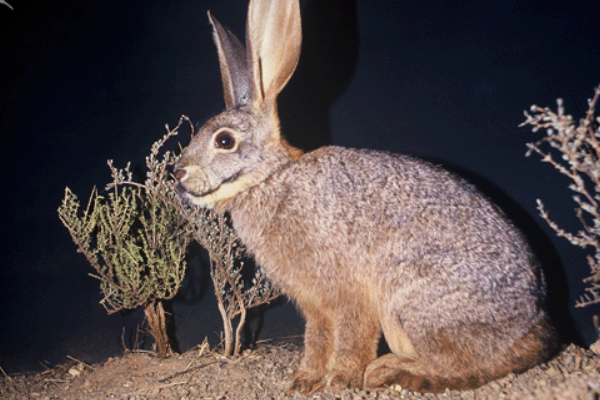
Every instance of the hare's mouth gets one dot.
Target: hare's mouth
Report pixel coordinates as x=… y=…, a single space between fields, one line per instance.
x=184 y=191
x=225 y=191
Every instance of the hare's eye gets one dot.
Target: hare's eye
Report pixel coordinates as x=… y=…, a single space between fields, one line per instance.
x=224 y=140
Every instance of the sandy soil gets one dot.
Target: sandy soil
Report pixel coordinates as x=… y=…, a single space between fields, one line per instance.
x=262 y=374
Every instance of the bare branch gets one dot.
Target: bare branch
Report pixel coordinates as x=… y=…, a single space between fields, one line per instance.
x=578 y=147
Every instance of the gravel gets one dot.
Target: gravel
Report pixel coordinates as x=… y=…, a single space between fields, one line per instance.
x=261 y=374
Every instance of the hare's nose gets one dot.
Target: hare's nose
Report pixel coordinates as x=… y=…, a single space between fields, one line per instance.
x=179 y=174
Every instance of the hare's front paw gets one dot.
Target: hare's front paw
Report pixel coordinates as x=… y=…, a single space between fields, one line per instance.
x=344 y=380
x=305 y=383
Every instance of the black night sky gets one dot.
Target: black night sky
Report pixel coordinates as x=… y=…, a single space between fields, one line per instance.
x=86 y=81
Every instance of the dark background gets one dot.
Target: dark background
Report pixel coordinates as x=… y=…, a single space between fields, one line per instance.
x=85 y=81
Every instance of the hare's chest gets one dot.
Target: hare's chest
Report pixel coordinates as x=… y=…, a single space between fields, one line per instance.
x=291 y=252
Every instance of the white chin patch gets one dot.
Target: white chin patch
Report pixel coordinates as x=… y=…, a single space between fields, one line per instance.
x=224 y=192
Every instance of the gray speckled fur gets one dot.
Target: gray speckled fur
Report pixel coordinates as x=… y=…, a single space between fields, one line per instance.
x=427 y=242
x=364 y=241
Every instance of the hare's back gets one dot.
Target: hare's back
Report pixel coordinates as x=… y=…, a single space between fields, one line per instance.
x=400 y=209
x=376 y=179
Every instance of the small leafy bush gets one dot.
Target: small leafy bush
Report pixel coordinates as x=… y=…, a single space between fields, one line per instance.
x=136 y=237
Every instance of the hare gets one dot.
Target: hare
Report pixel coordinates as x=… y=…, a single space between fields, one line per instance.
x=364 y=242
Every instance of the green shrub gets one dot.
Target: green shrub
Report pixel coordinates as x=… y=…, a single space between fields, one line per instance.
x=136 y=238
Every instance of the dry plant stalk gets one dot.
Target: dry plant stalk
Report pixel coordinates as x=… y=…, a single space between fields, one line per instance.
x=235 y=295
x=579 y=148
x=135 y=239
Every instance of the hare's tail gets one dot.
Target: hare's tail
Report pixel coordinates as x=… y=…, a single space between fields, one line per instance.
x=419 y=376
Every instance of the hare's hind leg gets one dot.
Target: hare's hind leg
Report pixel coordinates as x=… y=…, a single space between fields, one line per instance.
x=461 y=361
x=415 y=375
x=405 y=367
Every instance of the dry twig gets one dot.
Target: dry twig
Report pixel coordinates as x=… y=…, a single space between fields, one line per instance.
x=578 y=146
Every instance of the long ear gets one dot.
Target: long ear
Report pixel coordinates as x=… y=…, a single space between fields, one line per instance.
x=237 y=86
x=273 y=40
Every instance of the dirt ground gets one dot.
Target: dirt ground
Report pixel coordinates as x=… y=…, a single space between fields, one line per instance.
x=262 y=374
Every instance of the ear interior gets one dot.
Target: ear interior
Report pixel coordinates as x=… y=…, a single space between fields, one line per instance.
x=259 y=73
x=236 y=78
x=273 y=40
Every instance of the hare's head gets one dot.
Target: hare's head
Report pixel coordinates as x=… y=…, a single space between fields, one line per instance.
x=242 y=146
